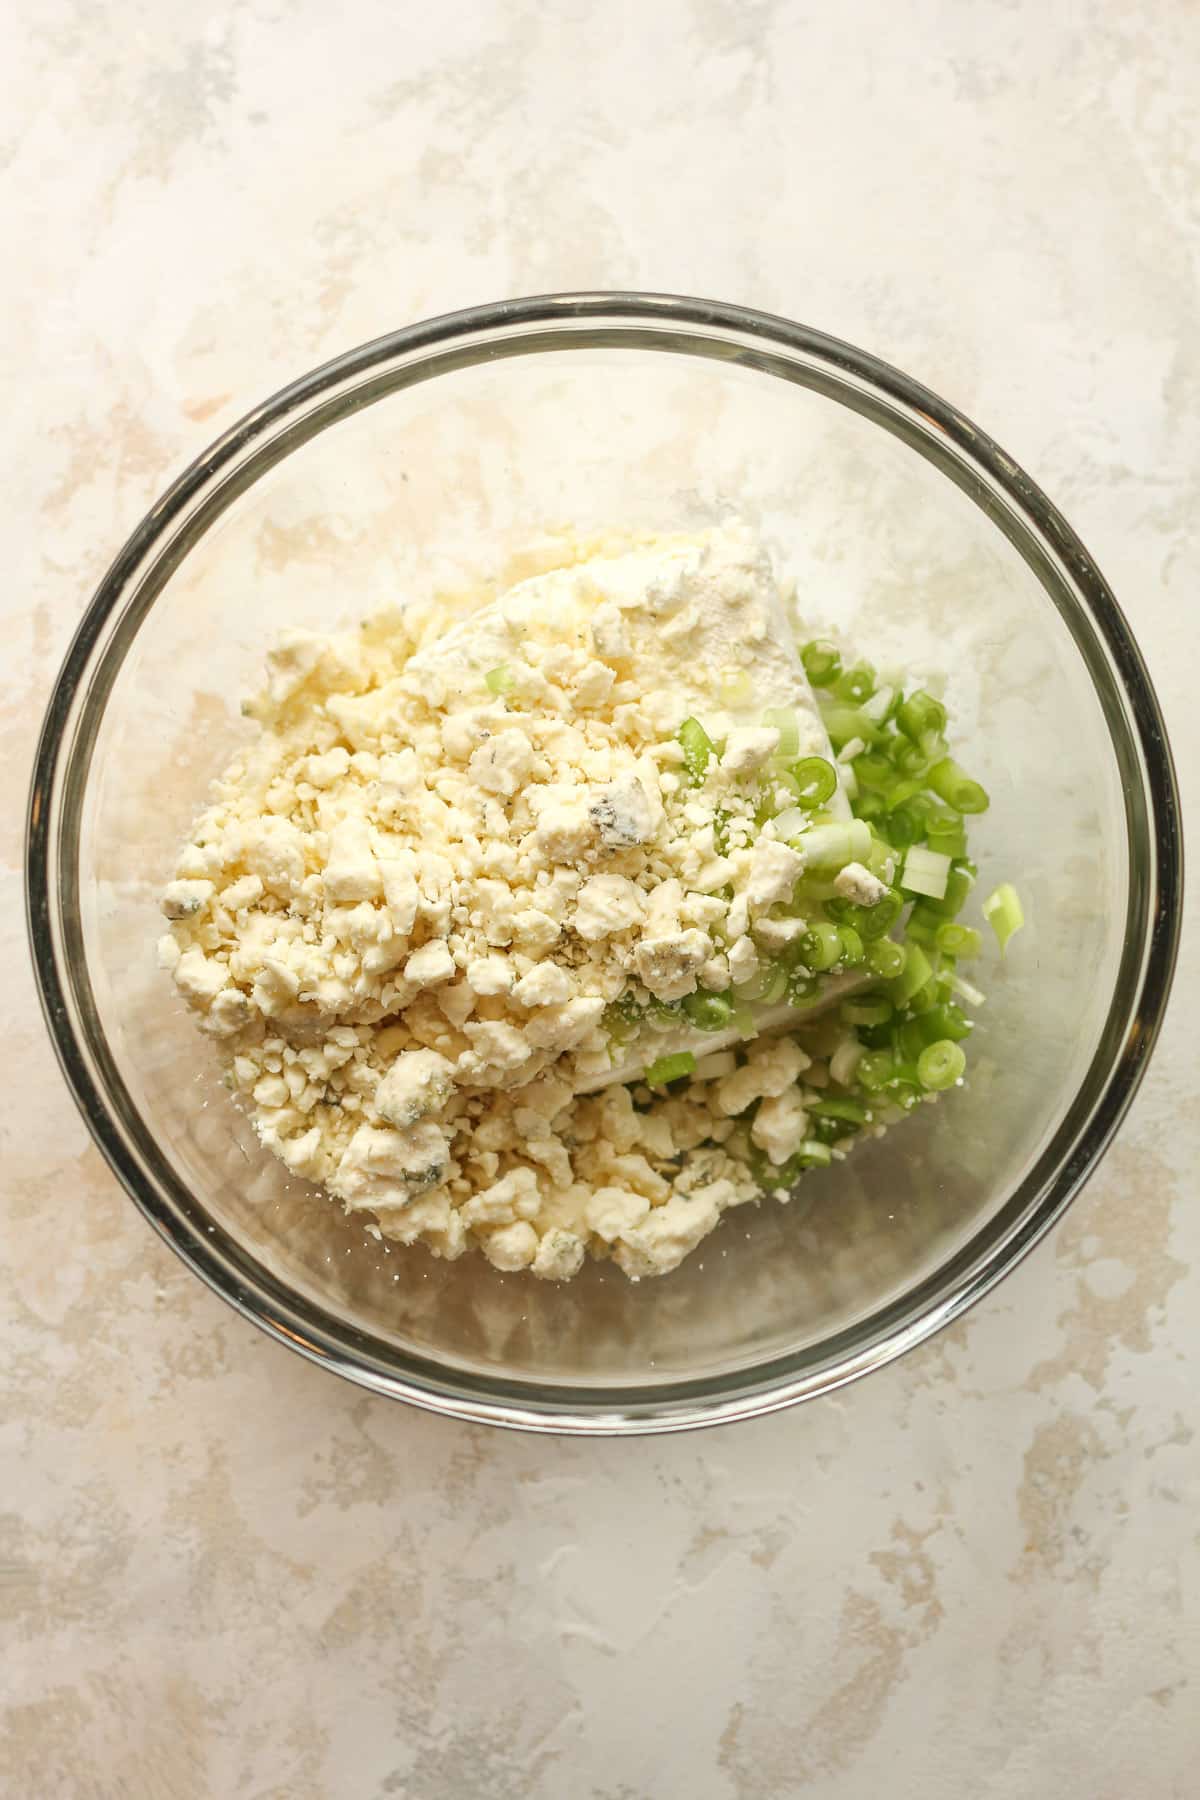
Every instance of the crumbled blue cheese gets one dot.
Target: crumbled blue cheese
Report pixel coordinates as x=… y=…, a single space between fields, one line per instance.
x=855 y=882
x=411 y=900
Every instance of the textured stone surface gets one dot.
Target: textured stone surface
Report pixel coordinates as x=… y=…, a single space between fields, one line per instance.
x=224 y=1573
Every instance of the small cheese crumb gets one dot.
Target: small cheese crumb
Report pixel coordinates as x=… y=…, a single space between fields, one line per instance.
x=855 y=882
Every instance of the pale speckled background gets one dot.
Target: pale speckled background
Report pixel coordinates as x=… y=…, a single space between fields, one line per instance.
x=223 y=1573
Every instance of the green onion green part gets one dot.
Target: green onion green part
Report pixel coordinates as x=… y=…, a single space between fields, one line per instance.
x=912 y=978
x=816 y=780
x=852 y=952
x=848 y=1111
x=783 y=720
x=670 y=1068
x=886 y=958
x=955 y=787
x=500 y=681
x=821 y=946
x=698 y=749
x=708 y=1012
x=821 y=662
x=920 y=714
x=866 y=1011
x=940 y=1065
x=958 y=940
x=875 y=1070
x=856 y=684
x=1004 y=913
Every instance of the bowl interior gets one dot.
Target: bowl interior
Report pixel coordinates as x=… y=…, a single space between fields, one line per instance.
x=459 y=478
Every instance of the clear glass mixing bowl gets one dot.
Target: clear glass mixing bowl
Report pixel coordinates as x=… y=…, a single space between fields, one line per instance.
x=432 y=455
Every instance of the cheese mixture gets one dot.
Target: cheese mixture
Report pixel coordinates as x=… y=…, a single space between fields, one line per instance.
x=473 y=869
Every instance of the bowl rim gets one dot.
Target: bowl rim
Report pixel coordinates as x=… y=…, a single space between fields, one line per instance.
x=958 y=1282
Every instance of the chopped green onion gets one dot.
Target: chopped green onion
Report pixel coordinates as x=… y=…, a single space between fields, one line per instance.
x=500 y=681
x=948 y=840
x=708 y=1012
x=912 y=978
x=931 y=1027
x=821 y=661
x=903 y=827
x=877 y=920
x=821 y=946
x=875 y=771
x=813 y=1155
x=906 y=792
x=925 y=872
x=698 y=749
x=870 y=922
x=853 y=954
x=856 y=684
x=802 y=987
x=866 y=1011
x=816 y=780
x=966 y=990
x=670 y=1068
x=833 y=846
x=949 y=1021
x=922 y=928
x=743 y=1020
x=878 y=707
x=955 y=787
x=886 y=958
x=958 y=885
x=919 y=714
x=905 y=1094
x=940 y=1065
x=958 y=940
x=845 y=723
x=765 y=988
x=764 y=806
x=621 y=1019
x=904 y=1072
x=849 y=1111
x=1003 y=911
x=881 y=860
x=783 y=720
x=909 y=759
x=908 y=1040
x=875 y=1070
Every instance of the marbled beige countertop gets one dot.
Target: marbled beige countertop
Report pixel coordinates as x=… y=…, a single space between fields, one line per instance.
x=223 y=1573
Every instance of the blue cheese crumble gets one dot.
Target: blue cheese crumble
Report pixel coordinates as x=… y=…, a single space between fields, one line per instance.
x=451 y=849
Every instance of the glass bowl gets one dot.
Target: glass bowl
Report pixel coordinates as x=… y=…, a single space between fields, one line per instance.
x=441 y=452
